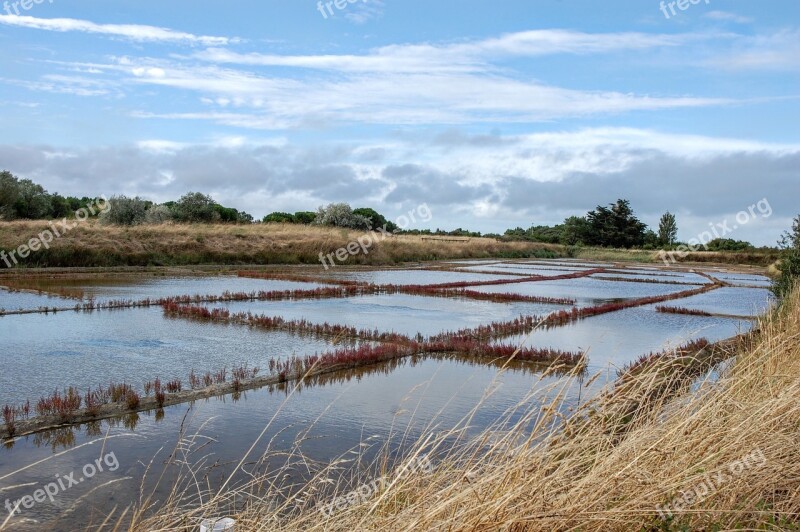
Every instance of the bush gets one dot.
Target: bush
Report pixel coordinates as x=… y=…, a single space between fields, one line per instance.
x=125 y=211
x=279 y=218
x=727 y=244
x=196 y=207
x=341 y=215
x=305 y=217
x=159 y=214
x=789 y=265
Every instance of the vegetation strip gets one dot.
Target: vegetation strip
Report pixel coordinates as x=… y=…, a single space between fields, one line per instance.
x=60 y=409
x=562 y=317
x=701 y=313
x=648 y=281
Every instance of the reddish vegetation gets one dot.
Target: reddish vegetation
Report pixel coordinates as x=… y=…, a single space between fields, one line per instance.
x=681 y=310
x=466 y=341
x=651 y=281
x=689 y=349
x=563 y=317
x=457 y=284
x=64 y=406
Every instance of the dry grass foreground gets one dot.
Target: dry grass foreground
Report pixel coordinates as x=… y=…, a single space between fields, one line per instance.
x=93 y=244
x=661 y=450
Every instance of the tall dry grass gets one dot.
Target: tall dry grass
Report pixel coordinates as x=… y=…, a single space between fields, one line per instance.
x=651 y=438
x=93 y=244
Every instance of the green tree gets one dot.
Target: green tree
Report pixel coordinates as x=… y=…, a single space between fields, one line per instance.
x=304 y=217
x=33 y=201
x=278 y=218
x=9 y=191
x=376 y=219
x=789 y=265
x=575 y=231
x=615 y=226
x=667 y=229
x=196 y=207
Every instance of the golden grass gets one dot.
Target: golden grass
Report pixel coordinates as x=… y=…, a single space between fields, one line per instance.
x=93 y=244
x=649 y=439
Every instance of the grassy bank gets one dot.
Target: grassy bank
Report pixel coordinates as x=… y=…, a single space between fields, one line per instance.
x=90 y=244
x=655 y=452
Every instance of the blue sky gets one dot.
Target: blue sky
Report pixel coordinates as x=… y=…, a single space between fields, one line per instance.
x=496 y=114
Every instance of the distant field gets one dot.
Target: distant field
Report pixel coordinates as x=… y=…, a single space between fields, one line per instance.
x=92 y=244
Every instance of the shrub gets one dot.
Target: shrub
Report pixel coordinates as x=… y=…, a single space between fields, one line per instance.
x=159 y=214
x=279 y=218
x=9 y=416
x=304 y=217
x=125 y=211
x=132 y=400
x=196 y=207
x=341 y=215
x=789 y=265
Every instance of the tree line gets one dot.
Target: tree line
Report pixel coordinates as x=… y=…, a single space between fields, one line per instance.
x=614 y=225
x=22 y=199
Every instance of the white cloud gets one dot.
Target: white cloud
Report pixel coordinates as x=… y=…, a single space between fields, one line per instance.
x=134 y=32
x=361 y=13
x=728 y=17
x=392 y=98
x=778 y=51
x=466 y=56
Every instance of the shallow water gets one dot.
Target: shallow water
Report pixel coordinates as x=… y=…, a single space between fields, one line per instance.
x=400 y=313
x=13 y=300
x=408 y=277
x=394 y=404
x=48 y=352
x=729 y=300
x=384 y=404
x=142 y=287
x=615 y=339
x=588 y=291
x=743 y=279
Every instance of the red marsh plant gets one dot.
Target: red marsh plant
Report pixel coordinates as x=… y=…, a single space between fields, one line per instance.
x=160 y=397
x=648 y=281
x=563 y=317
x=174 y=386
x=9 y=417
x=93 y=401
x=194 y=380
x=644 y=361
x=64 y=406
x=132 y=400
x=681 y=310
x=118 y=392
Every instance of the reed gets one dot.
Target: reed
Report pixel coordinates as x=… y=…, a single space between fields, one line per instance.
x=681 y=310
x=9 y=418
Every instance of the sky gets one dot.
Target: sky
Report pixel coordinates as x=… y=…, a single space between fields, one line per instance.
x=494 y=114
